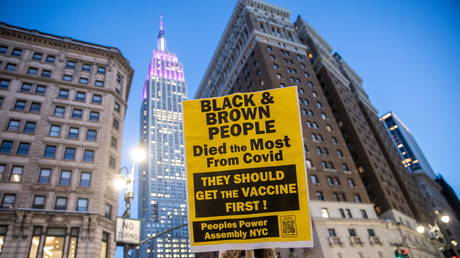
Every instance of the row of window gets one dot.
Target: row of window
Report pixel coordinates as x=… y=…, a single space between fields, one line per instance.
x=15 y=125
x=44 y=175
x=38 y=56
x=23 y=148
x=343 y=213
x=307 y=102
x=332 y=180
x=338 y=196
x=81 y=96
x=351 y=232
x=72 y=132
x=328 y=165
x=319 y=138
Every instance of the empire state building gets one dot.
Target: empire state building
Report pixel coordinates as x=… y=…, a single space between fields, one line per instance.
x=162 y=199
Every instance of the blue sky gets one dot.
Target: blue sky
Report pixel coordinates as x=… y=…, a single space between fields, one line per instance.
x=407 y=52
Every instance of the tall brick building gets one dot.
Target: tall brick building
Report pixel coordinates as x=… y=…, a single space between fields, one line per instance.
x=355 y=176
x=62 y=107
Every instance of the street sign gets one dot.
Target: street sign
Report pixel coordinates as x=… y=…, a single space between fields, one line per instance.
x=128 y=231
x=246 y=177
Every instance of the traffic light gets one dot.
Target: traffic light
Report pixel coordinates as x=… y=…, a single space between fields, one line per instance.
x=401 y=253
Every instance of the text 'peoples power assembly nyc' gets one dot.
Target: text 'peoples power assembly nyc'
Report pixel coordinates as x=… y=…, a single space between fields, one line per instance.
x=246 y=178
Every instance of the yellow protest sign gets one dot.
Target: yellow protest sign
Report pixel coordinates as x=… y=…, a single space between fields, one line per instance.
x=246 y=177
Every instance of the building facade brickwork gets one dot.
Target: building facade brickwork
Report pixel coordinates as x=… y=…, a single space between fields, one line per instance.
x=62 y=107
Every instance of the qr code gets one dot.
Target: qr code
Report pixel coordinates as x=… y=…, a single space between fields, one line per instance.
x=288 y=226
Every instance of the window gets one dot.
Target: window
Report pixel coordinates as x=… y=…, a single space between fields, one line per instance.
x=319 y=104
x=99 y=83
x=348 y=212
x=72 y=249
x=40 y=89
x=16 y=174
x=73 y=132
x=46 y=73
x=77 y=113
x=88 y=156
x=20 y=105
x=319 y=196
x=3 y=49
x=67 y=77
x=69 y=153
x=108 y=211
x=328 y=128
x=83 y=80
x=113 y=142
x=82 y=204
x=37 y=232
x=35 y=107
x=65 y=177
x=61 y=203
x=93 y=116
x=70 y=64
x=85 y=179
x=32 y=71
x=37 y=56
x=345 y=167
x=59 y=111
x=80 y=96
x=112 y=162
x=351 y=183
x=55 y=131
x=310 y=84
x=3 y=230
x=44 y=176
x=8 y=201
x=54 y=241
x=331 y=232
x=29 y=127
x=117 y=107
x=6 y=146
x=352 y=232
x=358 y=198
x=2 y=170
x=309 y=163
x=16 y=52
x=86 y=67
x=50 y=59
x=23 y=148
x=39 y=202
x=13 y=125
x=101 y=69
x=91 y=135
x=104 y=245
x=10 y=67
x=324 y=213
x=4 y=83
x=342 y=213
x=323 y=116
x=334 y=140
x=50 y=151
x=63 y=94
x=314 y=180
x=371 y=232
x=97 y=99
x=364 y=214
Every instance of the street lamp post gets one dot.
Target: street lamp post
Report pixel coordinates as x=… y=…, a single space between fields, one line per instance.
x=126 y=182
x=435 y=232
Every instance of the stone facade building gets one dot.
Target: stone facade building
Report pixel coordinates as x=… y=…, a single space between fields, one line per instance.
x=355 y=180
x=62 y=107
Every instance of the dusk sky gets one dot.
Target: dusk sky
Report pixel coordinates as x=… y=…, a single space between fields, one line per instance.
x=407 y=52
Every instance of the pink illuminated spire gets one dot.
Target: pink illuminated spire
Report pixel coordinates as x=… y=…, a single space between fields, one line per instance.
x=161 y=42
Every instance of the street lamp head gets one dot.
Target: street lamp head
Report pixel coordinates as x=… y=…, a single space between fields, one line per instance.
x=420 y=229
x=138 y=154
x=445 y=219
x=119 y=183
x=454 y=243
